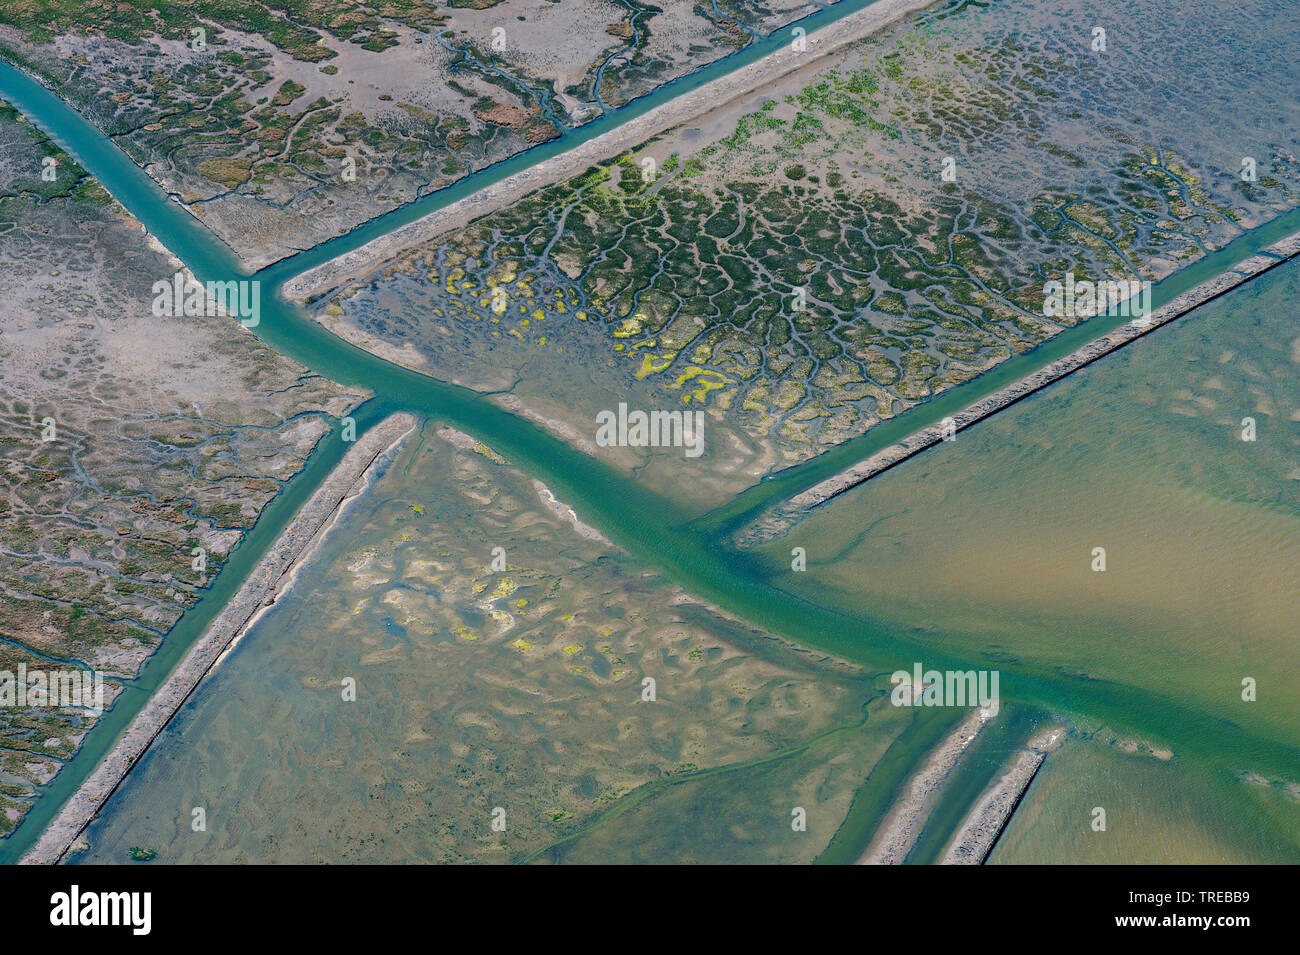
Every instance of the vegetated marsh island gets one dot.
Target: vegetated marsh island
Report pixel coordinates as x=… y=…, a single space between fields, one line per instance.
x=322 y=278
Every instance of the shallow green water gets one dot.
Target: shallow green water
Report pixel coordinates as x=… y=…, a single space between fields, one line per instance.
x=651 y=528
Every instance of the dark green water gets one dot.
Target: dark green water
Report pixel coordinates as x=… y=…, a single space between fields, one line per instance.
x=648 y=526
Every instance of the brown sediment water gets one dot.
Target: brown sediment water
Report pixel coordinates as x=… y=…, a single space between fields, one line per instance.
x=1177 y=459
x=270 y=578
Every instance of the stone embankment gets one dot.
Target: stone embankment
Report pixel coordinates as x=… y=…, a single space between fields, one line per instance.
x=374 y=254
x=981 y=828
